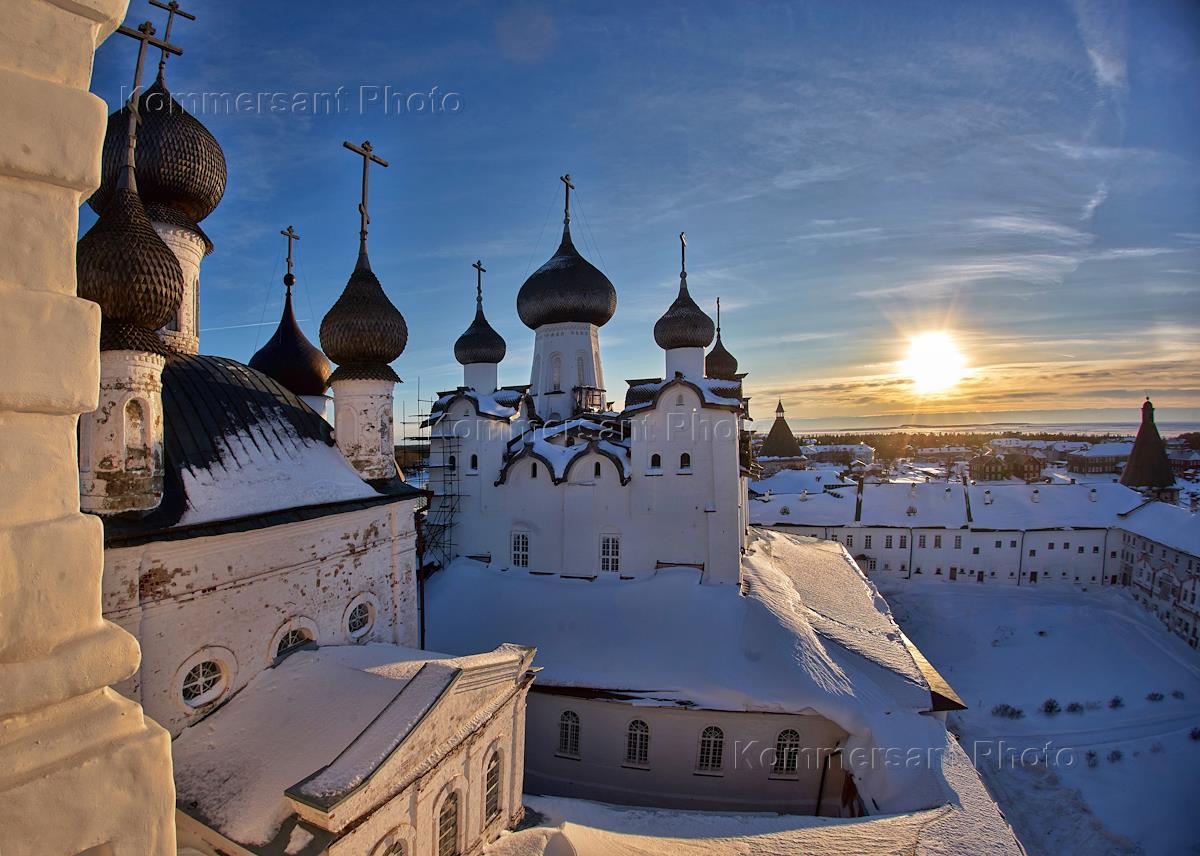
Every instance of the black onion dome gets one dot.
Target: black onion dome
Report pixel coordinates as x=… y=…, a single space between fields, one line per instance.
x=180 y=164
x=123 y=265
x=684 y=324
x=480 y=343
x=720 y=363
x=291 y=359
x=362 y=332
x=566 y=288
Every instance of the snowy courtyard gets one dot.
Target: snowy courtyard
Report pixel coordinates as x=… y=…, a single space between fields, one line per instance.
x=1129 y=692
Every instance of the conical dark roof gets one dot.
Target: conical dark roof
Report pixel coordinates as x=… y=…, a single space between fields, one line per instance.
x=720 y=363
x=1148 y=465
x=480 y=343
x=566 y=288
x=684 y=324
x=780 y=442
x=122 y=264
x=290 y=358
x=363 y=331
x=180 y=164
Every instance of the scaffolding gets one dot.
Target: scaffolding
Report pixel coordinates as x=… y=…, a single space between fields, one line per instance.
x=439 y=473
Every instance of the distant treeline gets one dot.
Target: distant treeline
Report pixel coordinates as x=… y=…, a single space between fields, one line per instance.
x=894 y=445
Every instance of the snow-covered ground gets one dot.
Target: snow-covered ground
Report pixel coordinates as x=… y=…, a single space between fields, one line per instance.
x=1019 y=647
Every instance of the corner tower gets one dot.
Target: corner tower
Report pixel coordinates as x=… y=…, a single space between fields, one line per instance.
x=565 y=302
x=1148 y=468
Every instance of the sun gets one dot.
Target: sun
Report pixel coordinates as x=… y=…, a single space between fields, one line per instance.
x=934 y=363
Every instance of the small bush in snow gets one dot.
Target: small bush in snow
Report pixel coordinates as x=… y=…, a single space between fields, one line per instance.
x=1074 y=707
x=1092 y=759
x=1194 y=733
x=1115 y=755
x=1008 y=711
x=1177 y=694
x=1050 y=707
x=1115 y=702
x=1154 y=696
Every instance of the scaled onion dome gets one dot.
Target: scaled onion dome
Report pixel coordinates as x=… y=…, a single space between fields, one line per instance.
x=684 y=324
x=289 y=357
x=362 y=332
x=480 y=343
x=123 y=265
x=566 y=288
x=720 y=363
x=181 y=168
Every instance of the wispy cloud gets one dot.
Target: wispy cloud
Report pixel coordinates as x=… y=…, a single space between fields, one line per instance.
x=1101 y=25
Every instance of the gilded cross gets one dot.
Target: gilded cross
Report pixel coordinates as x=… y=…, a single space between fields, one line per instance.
x=172 y=10
x=567 y=188
x=368 y=155
x=291 y=235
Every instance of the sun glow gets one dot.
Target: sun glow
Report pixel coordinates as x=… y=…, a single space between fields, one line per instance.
x=934 y=363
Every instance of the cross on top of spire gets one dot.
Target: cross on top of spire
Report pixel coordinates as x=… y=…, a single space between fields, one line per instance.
x=289 y=280
x=367 y=151
x=172 y=10
x=145 y=36
x=682 y=256
x=567 y=188
x=718 y=316
x=480 y=270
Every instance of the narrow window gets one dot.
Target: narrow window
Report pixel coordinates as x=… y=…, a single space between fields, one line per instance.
x=849 y=540
x=637 y=744
x=655 y=461
x=887 y=542
x=580 y=371
x=867 y=542
x=957 y=542
x=787 y=753
x=679 y=400
x=921 y=542
x=556 y=373
x=385 y=433
x=610 y=552
x=712 y=749
x=492 y=792
x=903 y=542
x=685 y=461
x=533 y=470
x=937 y=541
x=568 y=733
x=520 y=549
x=136 y=454
x=474 y=462
x=448 y=827
x=596 y=470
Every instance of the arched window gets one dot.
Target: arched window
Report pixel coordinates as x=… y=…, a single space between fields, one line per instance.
x=474 y=462
x=533 y=470
x=712 y=750
x=385 y=433
x=637 y=744
x=293 y=640
x=655 y=461
x=679 y=400
x=556 y=373
x=596 y=470
x=787 y=753
x=568 y=733
x=448 y=827
x=491 y=800
x=452 y=463
x=203 y=683
x=396 y=849
x=580 y=369
x=685 y=461
x=137 y=456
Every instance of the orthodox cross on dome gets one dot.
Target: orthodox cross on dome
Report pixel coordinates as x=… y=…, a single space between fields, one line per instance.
x=567 y=188
x=480 y=270
x=145 y=36
x=718 y=316
x=682 y=256
x=172 y=10
x=368 y=155
x=289 y=233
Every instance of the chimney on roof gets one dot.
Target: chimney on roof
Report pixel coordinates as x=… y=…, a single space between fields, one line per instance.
x=1036 y=495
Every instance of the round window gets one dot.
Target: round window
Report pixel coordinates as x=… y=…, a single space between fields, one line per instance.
x=359 y=622
x=204 y=682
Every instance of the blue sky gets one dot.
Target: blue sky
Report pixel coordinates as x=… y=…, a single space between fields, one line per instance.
x=1022 y=175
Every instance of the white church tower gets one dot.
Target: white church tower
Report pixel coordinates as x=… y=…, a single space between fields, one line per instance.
x=363 y=332
x=565 y=302
x=124 y=266
x=684 y=330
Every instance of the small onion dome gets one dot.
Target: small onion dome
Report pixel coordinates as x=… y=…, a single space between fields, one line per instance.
x=289 y=357
x=122 y=264
x=684 y=324
x=720 y=363
x=362 y=332
x=480 y=343
x=180 y=164
x=566 y=288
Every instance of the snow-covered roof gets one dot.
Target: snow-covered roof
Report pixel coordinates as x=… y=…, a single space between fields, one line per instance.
x=714 y=392
x=1105 y=450
x=835 y=508
x=502 y=404
x=810 y=635
x=1167 y=524
x=931 y=504
x=549 y=445
x=795 y=481
x=1013 y=506
x=969 y=824
x=316 y=725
